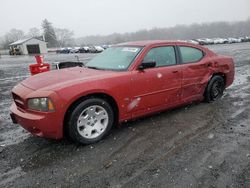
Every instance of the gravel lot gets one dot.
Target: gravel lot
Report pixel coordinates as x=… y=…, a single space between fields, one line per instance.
x=199 y=145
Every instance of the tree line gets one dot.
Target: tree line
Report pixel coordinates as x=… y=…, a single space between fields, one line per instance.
x=57 y=37
x=182 y=32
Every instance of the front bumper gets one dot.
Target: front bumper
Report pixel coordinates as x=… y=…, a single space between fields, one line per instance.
x=40 y=124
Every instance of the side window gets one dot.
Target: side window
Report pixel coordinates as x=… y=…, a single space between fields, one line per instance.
x=190 y=55
x=163 y=56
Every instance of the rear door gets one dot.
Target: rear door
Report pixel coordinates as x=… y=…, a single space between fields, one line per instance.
x=194 y=66
x=157 y=87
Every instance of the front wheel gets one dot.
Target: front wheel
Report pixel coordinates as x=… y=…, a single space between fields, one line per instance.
x=215 y=88
x=90 y=121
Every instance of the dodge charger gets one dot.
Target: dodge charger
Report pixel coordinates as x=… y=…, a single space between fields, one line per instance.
x=124 y=82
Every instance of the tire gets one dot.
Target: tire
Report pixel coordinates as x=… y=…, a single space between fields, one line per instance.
x=90 y=121
x=215 y=89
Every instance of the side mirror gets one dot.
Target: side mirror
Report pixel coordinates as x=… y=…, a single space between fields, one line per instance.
x=146 y=65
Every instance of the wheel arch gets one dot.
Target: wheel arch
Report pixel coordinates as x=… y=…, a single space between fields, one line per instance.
x=100 y=95
x=210 y=78
x=220 y=74
x=214 y=74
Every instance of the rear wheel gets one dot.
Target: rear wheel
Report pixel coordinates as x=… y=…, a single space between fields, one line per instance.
x=90 y=121
x=215 y=88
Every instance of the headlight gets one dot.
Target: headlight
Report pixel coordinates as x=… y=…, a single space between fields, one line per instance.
x=41 y=104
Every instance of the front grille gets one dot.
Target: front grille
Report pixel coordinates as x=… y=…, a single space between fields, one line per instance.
x=18 y=100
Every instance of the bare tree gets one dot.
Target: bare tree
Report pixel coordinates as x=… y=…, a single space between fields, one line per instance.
x=64 y=37
x=12 y=36
x=34 y=32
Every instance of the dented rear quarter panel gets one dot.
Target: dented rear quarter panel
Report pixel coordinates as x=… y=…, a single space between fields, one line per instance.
x=224 y=65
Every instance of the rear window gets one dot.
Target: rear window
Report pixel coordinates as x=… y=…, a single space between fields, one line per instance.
x=190 y=54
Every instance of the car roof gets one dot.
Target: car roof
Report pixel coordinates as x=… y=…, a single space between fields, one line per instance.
x=154 y=42
x=148 y=43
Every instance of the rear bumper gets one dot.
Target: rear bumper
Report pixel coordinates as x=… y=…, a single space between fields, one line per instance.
x=230 y=76
x=40 y=124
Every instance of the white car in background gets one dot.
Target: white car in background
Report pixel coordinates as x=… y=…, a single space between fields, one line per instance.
x=192 y=41
x=205 y=41
x=84 y=49
x=220 y=41
x=75 y=50
x=232 y=40
x=95 y=49
x=99 y=49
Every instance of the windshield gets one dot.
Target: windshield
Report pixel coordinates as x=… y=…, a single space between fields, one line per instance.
x=114 y=58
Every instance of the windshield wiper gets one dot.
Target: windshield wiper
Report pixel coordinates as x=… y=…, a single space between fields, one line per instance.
x=90 y=67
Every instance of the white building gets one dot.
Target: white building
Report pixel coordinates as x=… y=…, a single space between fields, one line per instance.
x=29 y=46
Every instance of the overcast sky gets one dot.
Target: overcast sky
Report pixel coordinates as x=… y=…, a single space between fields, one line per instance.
x=91 y=17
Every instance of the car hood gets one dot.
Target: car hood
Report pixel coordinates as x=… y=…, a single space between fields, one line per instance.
x=62 y=78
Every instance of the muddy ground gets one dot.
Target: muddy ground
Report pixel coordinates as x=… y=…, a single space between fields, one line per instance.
x=199 y=145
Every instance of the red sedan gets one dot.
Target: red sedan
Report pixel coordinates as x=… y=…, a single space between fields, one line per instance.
x=124 y=82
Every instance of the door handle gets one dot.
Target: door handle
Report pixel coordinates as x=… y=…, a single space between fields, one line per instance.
x=175 y=71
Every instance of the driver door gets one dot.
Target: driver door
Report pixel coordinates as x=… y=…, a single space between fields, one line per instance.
x=158 y=87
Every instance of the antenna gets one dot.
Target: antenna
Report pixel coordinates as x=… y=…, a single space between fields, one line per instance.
x=77 y=58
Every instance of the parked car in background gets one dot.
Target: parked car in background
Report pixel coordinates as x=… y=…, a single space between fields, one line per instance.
x=95 y=49
x=220 y=41
x=240 y=39
x=232 y=40
x=246 y=39
x=54 y=50
x=99 y=49
x=84 y=49
x=66 y=64
x=65 y=50
x=92 y=49
x=124 y=82
x=201 y=41
x=205 y=41
x=75 y=50
x=192 y=41
x=105 y=46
